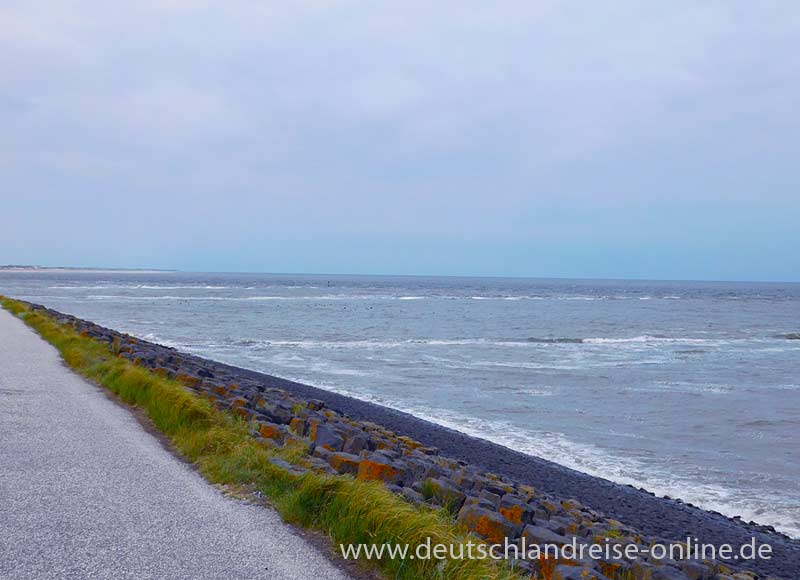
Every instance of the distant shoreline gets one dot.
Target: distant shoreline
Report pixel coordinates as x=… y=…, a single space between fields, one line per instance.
x=26 y=268
x=14 y=268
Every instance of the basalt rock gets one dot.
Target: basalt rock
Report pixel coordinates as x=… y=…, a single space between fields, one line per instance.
x=325 y=436
x=345 y=462
x=488 y=524
x=378 y=467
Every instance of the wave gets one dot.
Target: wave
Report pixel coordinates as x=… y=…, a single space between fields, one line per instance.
x=343 y=296
x=141 y=287
x=644 y=338
x=411 y=342
x=687 y=387
x=789 y=336
x=221 y=298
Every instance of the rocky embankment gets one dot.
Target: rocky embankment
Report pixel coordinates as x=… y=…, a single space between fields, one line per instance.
x=495 y=492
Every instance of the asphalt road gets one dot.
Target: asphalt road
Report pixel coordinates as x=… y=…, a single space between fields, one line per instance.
x=86 y=492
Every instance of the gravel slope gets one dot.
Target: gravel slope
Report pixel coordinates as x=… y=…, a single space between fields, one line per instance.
x=85 y=492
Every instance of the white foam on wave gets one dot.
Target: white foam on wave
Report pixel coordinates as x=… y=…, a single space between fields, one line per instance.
x=385 y=343
x=525 y=365
x=141 y=287
x=513 y=298
x=153 y=337
x=223 y=298
x=375 y=343
x=316 y=366
x=342 y=296
x=645 y=338
x=688 y=387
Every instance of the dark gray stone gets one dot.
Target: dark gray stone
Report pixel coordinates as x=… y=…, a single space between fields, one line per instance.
x=540 y=535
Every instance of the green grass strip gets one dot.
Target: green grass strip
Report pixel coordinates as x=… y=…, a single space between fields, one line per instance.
x=220 y=446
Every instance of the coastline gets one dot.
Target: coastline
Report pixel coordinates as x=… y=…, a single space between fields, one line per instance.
x=65 y=269
x=668 y=518
x=658 y=517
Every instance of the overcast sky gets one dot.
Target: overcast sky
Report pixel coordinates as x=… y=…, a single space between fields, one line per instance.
x=578 y=139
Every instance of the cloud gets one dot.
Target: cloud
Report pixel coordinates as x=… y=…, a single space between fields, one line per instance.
x=453 y=119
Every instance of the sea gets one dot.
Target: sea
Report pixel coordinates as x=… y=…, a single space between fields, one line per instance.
x=688 y=389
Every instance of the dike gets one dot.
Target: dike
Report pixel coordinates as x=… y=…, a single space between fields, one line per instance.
x=493 y=491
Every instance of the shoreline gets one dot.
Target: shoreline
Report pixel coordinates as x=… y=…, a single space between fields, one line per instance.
x=661 y=518
x=481 y=452
x=68 y=270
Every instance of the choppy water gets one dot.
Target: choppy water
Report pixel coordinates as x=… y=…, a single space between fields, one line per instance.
x=688 y=389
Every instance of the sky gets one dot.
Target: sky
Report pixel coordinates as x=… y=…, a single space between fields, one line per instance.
x=568 y=139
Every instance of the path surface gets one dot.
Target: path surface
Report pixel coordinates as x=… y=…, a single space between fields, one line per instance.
x=85 y=492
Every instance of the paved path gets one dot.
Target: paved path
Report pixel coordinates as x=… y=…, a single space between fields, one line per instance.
x=85 y=492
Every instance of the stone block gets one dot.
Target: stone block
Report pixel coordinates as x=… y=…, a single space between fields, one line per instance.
x=487 y=524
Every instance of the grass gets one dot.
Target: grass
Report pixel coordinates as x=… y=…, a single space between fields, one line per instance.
x=220 y=446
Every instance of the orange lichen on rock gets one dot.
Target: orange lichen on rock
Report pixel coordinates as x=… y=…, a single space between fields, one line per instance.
x=547 y=567
x=297 y=426
x=488 y=527
x=487 y=524
x=344 y=463
x=269 y=431
x=528 y=490
x=409 y=442
x=609 y=568
x=187 y=379
x=550 y=507
x=369 y=470
x=512 y=513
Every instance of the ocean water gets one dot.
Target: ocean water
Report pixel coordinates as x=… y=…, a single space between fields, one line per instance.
x=688 y=389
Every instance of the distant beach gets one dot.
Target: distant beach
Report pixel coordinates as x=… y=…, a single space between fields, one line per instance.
x=67 y=269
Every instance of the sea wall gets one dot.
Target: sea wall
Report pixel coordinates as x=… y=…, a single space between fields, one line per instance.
x=494 y=507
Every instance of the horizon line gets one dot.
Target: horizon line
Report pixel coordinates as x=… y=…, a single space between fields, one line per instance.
x=99 y=269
